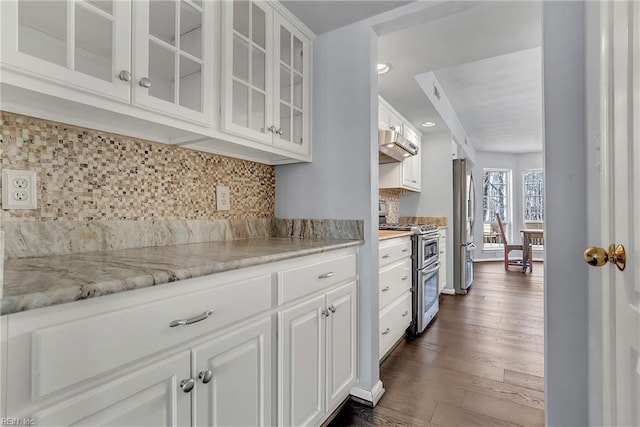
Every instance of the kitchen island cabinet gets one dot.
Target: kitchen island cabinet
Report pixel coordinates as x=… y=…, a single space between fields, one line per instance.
x=199 y=351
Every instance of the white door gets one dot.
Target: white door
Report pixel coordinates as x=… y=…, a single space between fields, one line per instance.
x=148 y=396
x=233 y=376
x=301 y=372
x=341 y=343
x=620 y=92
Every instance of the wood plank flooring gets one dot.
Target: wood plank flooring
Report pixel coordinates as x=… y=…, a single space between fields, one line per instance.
x=479 y=363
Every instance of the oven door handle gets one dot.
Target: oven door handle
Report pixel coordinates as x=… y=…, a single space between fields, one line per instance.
x=436 y=267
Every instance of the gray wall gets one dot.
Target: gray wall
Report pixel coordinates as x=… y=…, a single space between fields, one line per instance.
x=566 y=323
x=342 y=181
x=436 y=197
x=518 y=163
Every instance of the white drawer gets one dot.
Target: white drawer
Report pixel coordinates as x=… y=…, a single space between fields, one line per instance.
x=394 y=320
x=47 y=360
x=395 y=280
x=300 y=281
x=393 y=250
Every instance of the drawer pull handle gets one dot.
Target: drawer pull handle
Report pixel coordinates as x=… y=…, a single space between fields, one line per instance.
x=195 y=319
x=405 y=314
x=326 y=275
x=386 y=289
x=332 y=308
x=405 y=278
x=405 y=250
x=205 y=376
x=187 y=385
x=386 y=255
x=386 y=331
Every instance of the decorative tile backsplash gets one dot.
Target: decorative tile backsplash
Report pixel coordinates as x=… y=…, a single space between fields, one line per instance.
x=88 y=175
x=392 y=197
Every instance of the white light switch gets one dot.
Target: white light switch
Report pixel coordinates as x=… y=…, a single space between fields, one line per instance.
x=19 y=189
x=223 y=196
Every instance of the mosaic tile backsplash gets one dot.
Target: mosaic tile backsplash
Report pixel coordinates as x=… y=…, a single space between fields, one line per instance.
x=88 y=175
x=392 y=197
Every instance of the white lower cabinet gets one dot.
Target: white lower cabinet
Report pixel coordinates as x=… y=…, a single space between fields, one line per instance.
x=317 y=356
x=442 y=257
x=148 y=396
x=116 y=360
x=233 y=376
x=394 y=298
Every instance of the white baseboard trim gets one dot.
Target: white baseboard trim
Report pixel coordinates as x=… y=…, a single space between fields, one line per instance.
x=368 y=397
x=448 y=291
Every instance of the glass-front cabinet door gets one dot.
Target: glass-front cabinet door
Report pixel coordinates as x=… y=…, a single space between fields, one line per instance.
x=172 y=60
x=247 y=67
x=83 y=44
x=293 y=88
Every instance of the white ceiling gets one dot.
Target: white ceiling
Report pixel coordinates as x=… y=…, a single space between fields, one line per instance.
x=499 y=100
x=486 y=55
x=322 y=16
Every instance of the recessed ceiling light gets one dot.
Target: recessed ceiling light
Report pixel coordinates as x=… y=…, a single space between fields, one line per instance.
x=384 y=68
x=428 y=124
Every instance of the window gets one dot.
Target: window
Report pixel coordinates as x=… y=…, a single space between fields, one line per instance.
x=495 y=200
x=533 y=196
x=533 y=202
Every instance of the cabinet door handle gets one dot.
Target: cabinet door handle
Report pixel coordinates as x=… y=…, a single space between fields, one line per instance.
x=124 y=75
x=195 y=319
x=205 y=376
x=326 y=275
x=332 y=308
x=272 y=129
x=386 y=289
x=386 y=255
x=145 y=82
x=405 y=250
x=325 y=313
x=405 y=278
x=405 y=314
x=386 y=331
x=280 y=131
x=187 y=385
x=414 y=181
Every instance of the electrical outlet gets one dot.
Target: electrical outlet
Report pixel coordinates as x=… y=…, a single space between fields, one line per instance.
x=19 y=189
x=223 y=196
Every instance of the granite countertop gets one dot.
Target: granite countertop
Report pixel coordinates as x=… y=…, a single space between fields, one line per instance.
x=390 y=234
x=43 y=281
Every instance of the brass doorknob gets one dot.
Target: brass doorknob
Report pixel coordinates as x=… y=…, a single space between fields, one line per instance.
x=597 y=257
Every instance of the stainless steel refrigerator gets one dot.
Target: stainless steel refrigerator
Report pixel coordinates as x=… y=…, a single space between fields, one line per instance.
x=463 y=222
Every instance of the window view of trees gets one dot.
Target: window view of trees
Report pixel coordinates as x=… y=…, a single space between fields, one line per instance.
x=533 y=196
x=495 y=200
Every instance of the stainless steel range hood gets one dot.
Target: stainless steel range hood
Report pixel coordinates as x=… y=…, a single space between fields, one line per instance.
x=394 y=147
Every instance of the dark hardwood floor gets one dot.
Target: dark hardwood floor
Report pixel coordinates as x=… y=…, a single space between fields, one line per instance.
x=479 y=363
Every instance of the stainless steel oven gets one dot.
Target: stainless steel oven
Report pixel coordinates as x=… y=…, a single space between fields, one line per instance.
x=426 y=281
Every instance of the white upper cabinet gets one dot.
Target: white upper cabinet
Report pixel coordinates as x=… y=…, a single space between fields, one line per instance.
x=79 y=44
x=173 y=70
x=266 y=77
x=407 y=174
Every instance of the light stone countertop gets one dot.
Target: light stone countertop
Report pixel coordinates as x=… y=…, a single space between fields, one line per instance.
x=31 y=283
x=391 y=234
